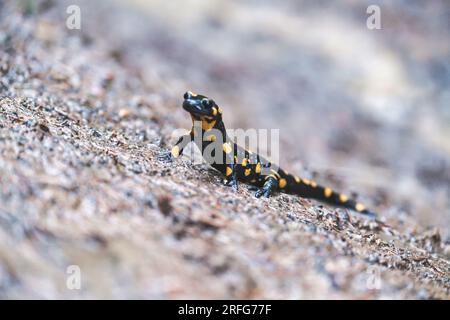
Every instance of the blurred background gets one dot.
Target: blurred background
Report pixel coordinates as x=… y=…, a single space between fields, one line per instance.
x=364 y=111
x=369 y=109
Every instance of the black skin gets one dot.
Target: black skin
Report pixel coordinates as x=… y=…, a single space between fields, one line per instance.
x=238 y=164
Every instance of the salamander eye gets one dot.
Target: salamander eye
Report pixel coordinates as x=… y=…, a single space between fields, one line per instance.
x=206 y=103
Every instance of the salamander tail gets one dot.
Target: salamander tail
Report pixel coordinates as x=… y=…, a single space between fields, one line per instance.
x=310 y=189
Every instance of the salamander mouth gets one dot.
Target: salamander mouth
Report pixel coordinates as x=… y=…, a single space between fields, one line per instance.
x=192 y=106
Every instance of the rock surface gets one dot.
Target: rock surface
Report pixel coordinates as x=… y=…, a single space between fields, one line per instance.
x=85 y=113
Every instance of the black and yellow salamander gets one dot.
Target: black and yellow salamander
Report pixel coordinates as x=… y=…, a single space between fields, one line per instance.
x=239 y=164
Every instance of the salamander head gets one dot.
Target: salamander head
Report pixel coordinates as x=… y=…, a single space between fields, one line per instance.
x=201 y=107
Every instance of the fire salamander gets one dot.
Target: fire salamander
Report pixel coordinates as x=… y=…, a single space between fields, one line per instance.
x=239 y=164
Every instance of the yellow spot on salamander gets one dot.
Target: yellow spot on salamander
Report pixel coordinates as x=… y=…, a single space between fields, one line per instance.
x=360 y=207
x=327 y=192
x=313 y=184
x=297 y=179
x=227 y=147
x=211 y=138
x=275 y=173
x=244 y=162
x=247 y=172
x=208 y=125
x=220 y=110
x=343 y=198
x=175 y=151
x=192 y=94
x=307 y=182
x=214 y=111
x=282 y=183
x=229 y=171
x=258 y=168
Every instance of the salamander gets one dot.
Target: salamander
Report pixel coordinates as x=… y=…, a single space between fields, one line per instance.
x=239 y=164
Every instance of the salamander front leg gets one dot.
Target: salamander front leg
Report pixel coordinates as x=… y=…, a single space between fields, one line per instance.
x=177 y=149
x=231 y=176
x=269 y=187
